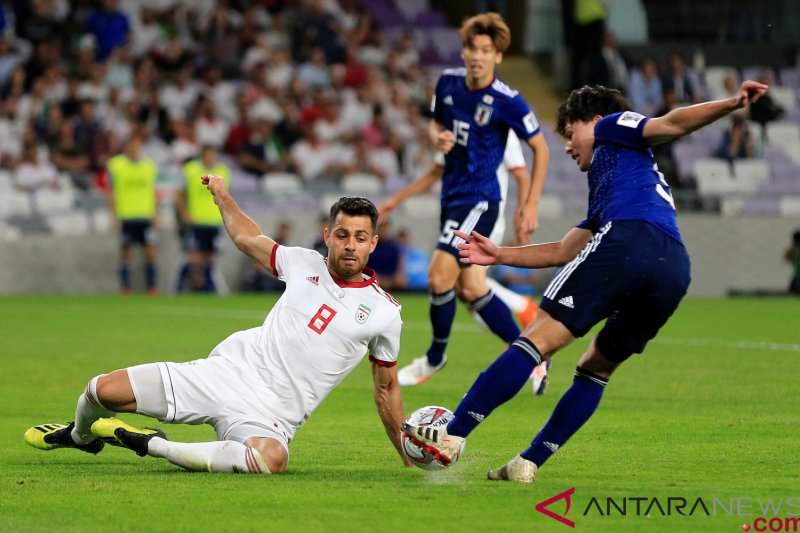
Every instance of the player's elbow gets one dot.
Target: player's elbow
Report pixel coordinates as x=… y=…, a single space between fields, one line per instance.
x=243 y=243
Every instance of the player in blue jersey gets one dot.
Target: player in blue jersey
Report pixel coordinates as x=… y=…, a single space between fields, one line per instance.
x=472 y=114
x=624 y=263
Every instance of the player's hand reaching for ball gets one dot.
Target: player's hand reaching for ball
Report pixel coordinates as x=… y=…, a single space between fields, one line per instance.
x=750 y=92
x=476 y=249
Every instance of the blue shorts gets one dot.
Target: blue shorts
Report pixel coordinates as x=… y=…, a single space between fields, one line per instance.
x=480 y=217
x=138 y=231
x=631 y=273
x=202 y=238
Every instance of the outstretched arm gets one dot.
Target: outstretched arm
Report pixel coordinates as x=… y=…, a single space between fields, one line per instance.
x=479 y=250
x=683 y=120
x=245 y=233
x=541 y=160
x=418 y=186
x=389 y=402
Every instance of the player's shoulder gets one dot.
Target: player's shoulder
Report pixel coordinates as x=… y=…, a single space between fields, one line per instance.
x=453 y=74
x=298 y=253
x=624 y=128
x=383 y=298
x=502 y=90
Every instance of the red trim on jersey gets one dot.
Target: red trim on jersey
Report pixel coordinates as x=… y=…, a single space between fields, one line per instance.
x=382 y=363
x=356 y=284
x=388 y=296
x=515 y=168
x=272 y=260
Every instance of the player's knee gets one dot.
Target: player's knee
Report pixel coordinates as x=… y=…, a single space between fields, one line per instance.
x=472 y=293
x=273 y=454
x=439 y=283
x=113 y=391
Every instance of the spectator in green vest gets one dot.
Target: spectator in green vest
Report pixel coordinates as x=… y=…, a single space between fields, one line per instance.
x=133 y=203
x=202 y=220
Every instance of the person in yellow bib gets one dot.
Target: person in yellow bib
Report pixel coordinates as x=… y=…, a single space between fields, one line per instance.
x=202 y=219
x=133 y=203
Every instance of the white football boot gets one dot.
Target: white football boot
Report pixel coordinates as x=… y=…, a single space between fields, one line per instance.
x=540 y=378
x=517 y=469
x=418 y=371
x=436 y=441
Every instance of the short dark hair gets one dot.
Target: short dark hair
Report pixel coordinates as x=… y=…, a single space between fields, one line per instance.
x=583 y=104
x=354 y=206
x=796 y=237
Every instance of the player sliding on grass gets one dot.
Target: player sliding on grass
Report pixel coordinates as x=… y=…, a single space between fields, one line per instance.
x=624 y=263
x=260 y=385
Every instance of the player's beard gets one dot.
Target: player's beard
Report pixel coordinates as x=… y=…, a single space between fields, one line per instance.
x=345 y=269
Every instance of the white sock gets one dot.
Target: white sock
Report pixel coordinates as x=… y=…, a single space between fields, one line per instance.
x=218 y=456
x=515 y=302
x=89 y=410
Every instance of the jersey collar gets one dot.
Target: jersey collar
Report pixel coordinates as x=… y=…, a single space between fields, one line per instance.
x=494 y=77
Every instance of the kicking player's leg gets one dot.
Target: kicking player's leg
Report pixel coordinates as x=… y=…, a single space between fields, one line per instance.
x=442 y=275
x=499 y=382
x=492 y=310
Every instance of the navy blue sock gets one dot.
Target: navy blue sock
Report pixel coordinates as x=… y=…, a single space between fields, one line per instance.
x=151 y=273
x=495 y=386
x=125 y=276
x=573 y=410
x=208 y=280
x=443 y=312
x=183 y=276
x=497 y=316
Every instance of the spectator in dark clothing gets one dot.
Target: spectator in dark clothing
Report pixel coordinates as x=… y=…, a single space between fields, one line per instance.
x=110 y=27
x=385 y=259
x=765 y=109
x=737 y=143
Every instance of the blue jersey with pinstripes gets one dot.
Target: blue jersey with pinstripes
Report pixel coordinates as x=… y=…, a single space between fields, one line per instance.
x=480 y=120
x=624 y=180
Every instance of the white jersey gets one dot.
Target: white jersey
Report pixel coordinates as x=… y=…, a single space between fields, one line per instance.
x=513 y=158
x=316 y=333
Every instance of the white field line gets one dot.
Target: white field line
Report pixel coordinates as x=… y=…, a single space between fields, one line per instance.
x=418 y=325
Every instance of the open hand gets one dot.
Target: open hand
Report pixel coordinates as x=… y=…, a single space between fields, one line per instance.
x=476 y=249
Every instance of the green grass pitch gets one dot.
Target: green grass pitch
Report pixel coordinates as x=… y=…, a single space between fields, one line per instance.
x=711 y=410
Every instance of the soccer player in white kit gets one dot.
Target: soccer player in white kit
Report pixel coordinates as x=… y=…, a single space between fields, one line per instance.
x=258 y=386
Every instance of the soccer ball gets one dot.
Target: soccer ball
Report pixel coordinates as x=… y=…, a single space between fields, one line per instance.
x=431 y=415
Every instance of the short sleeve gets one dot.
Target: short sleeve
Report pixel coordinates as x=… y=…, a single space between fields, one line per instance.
x=625 y=129
x=587 y=224
x=383 y=348
x=513 y=156
x=285 y=259
x=520 y=118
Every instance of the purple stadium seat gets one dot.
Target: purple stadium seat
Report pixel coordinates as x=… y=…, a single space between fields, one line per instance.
x=790 y=77
x=430 y=19
x=754 y=71
x=761 y=205
x=411 y=8
x=685 y=154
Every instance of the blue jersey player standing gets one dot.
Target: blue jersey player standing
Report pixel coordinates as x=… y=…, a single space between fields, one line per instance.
x=472 y=114
x=625 y=263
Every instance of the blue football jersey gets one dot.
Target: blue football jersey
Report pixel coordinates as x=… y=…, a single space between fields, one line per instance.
x=480 y=120
x=624 y=181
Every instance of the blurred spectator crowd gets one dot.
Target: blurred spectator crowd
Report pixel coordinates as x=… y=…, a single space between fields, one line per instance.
x=309 y=91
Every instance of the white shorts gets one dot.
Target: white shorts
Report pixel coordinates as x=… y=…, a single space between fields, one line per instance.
x=209 y=391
